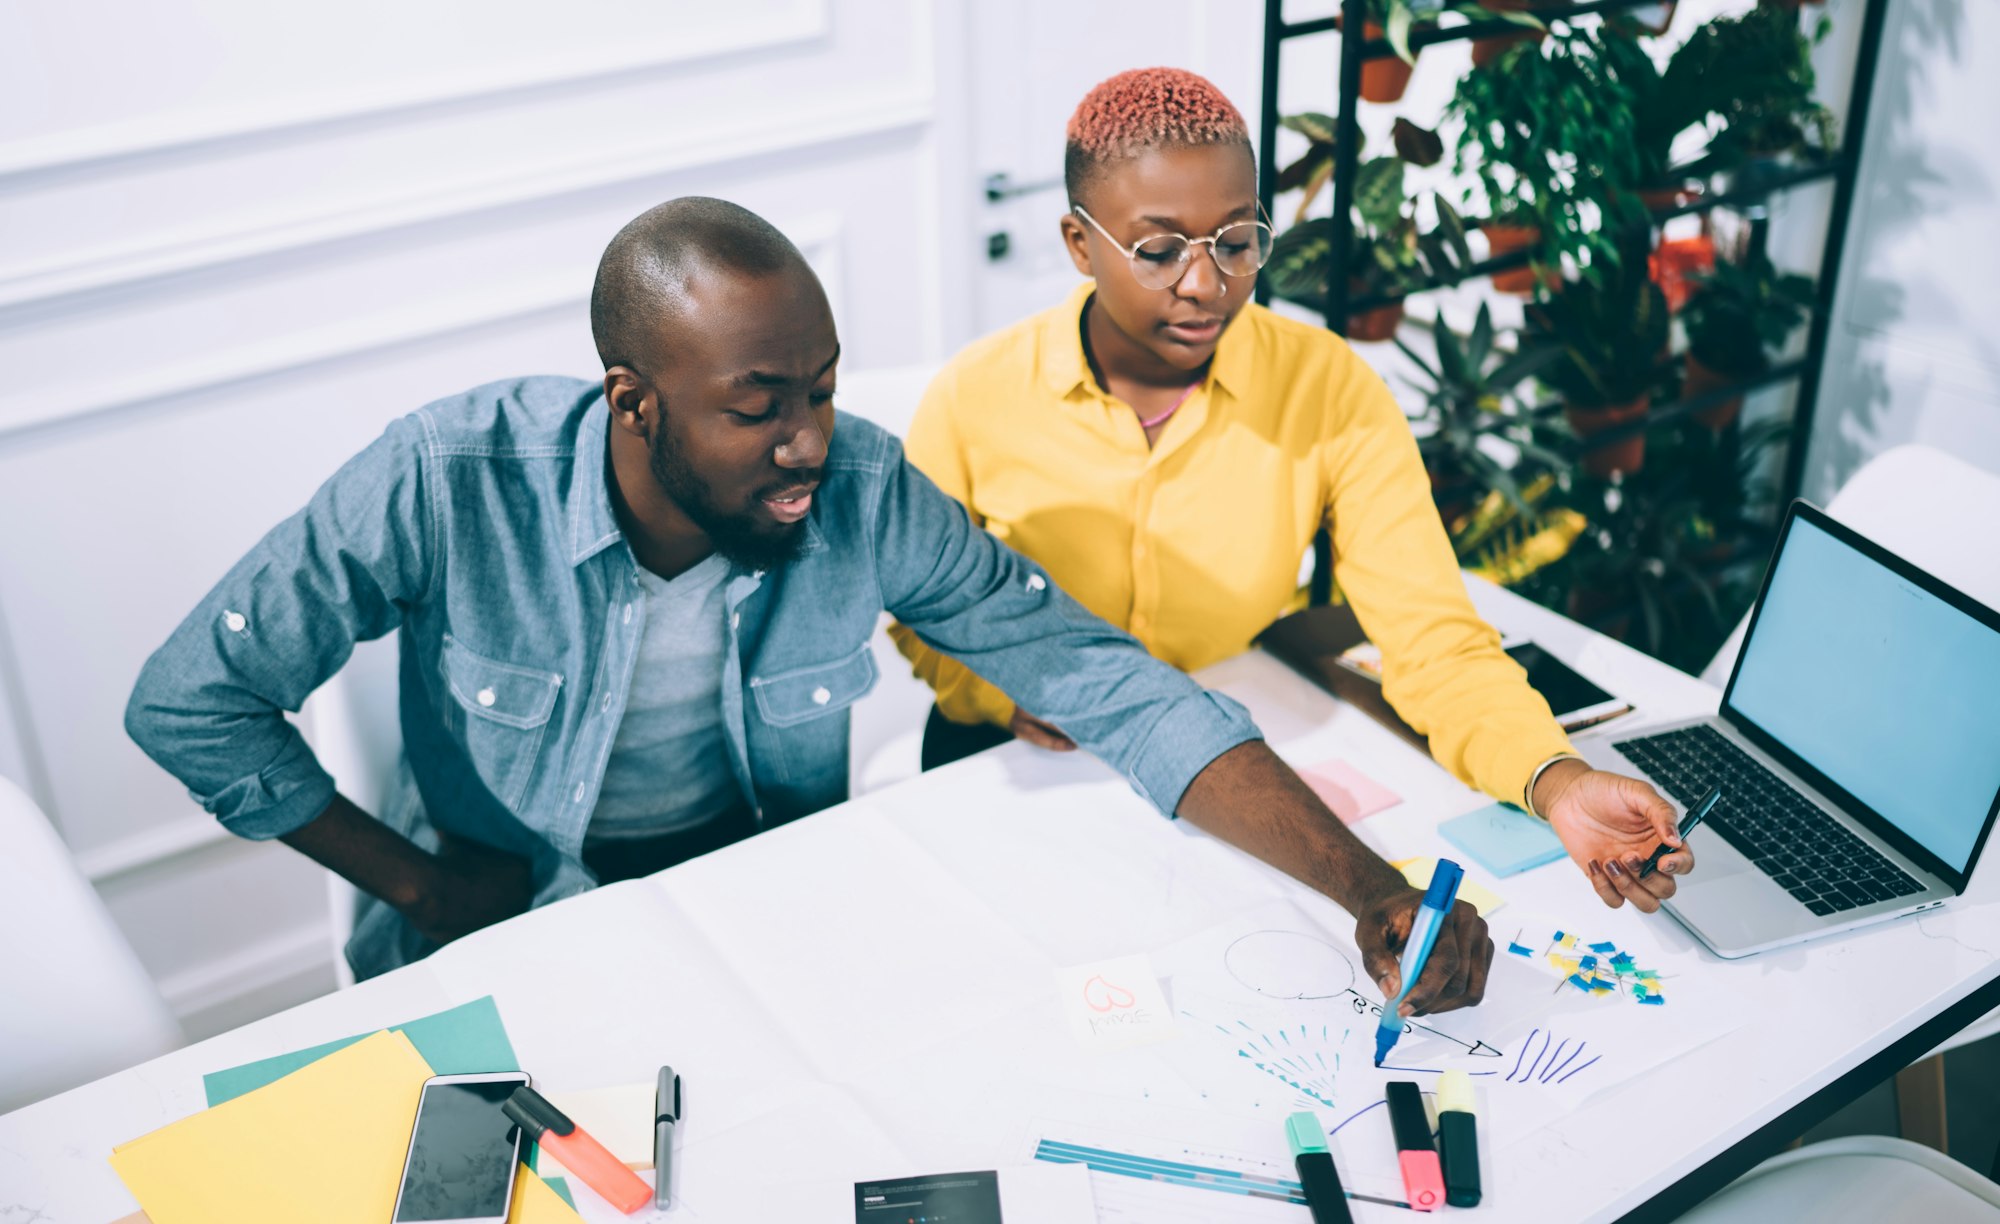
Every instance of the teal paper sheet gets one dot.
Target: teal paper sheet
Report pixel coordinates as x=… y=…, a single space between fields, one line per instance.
x=461 y=1041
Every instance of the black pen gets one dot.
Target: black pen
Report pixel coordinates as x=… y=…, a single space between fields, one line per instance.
x=1317 y=1176
x=666 y=1115
x=1696 y=814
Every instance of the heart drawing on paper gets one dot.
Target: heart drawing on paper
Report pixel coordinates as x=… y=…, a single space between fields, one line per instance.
x=1101 y=996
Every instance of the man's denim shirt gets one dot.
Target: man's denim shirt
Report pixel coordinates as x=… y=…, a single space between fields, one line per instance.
x=480 y=529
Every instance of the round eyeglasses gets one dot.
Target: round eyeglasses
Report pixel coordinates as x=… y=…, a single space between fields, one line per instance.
x=1159 y=262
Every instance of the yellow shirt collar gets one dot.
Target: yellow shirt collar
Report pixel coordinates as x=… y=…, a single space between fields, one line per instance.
x=1066 y=372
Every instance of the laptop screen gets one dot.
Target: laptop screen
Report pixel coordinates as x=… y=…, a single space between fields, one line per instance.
x=1884 y=687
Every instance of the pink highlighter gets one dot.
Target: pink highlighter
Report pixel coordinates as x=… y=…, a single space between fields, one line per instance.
x=591 y=1161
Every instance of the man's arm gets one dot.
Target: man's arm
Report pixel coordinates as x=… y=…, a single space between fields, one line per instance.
x=209 y=705
x=1191 y=752
x=1252 y=800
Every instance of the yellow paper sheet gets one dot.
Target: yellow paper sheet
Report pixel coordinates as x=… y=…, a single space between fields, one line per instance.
x=323 y=1145
x=1418 y=872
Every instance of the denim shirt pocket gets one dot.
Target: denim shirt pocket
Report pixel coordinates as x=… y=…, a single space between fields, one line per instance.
x=805 y=710
x=499 y=711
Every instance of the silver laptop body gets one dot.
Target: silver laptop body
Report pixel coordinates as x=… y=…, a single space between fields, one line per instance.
x=1792 y=891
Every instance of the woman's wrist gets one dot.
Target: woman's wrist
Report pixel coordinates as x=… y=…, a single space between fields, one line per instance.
x=1549 y=780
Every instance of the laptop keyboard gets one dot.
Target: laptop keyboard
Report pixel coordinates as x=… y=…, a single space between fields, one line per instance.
x=1811 y=855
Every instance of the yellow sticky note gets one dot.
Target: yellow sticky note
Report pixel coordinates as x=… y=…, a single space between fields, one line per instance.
x=323 y=1145
x=1418 y=872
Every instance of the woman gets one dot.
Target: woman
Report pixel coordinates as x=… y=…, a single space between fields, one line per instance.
x=1167 y=449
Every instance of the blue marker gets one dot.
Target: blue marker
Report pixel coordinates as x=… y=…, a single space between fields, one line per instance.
x=1423 y=933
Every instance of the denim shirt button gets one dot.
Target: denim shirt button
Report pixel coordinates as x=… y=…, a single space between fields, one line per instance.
x=485 y=697
x=821 y=696
x=735 y=620
x=580 y=788
x=605 y=705
x=628 y=614
x=234 y=621
x=1036 y=582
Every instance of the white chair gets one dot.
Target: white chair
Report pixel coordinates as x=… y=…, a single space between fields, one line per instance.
x=1866 y=1179
x=79 y=1003
x=1937 y=512
x=353 y=725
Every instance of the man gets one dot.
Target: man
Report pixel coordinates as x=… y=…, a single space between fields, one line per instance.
x=632 y=617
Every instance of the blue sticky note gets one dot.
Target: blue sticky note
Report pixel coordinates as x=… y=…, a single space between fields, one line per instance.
x=1604 y=947
x=1503 y=839
x=1518 y=950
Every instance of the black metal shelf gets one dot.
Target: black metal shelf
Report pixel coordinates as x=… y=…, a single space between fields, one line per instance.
x=1337 y=307
x=1431 y=35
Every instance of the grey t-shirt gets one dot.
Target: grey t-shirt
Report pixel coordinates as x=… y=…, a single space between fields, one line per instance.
x=669 y=769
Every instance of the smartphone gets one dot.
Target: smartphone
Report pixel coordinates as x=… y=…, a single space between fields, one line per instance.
x=1576 y=702
x=460 y=1166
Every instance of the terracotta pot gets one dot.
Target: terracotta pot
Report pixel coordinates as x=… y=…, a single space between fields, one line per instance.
x=1625 y=455
x=1702 y=378
x=1383 y=80
x=1659 y=199
x=1486 y=50
x=1501 y=239
x=1375 y=325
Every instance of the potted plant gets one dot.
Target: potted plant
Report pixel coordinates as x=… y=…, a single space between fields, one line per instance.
x=1738 y=315
x=1387 y=255
x=1521 y=12
x=1760 y=67
x=1384 y=80
x=1613 y=333
x=1470 y=397
x=1550 y=143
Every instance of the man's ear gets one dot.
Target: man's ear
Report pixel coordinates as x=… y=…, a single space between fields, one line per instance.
x=633 y=401
x=1076 y=240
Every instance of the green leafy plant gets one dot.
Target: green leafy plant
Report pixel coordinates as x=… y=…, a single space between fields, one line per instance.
x=1612 y=334
x=1399 y=17
x=1471 y=394
x=1387 y=252
x=1742 y=312
x=1549 y=134
x=1759 y=78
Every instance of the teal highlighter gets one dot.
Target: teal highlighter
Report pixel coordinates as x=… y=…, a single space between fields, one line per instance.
x=1424 y=929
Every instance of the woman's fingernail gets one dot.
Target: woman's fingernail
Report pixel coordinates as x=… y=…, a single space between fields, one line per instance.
x=1593 y=866
x=1611 y=866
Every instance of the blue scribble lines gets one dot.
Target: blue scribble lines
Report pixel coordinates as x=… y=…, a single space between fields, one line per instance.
x=1549 y=1061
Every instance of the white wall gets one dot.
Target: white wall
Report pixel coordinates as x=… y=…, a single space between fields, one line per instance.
x=237 y=238
x=1914 y=353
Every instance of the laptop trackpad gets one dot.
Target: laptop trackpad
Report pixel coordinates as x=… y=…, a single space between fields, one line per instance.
x=1715 y=859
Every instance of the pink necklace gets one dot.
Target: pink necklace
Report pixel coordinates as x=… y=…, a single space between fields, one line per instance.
x=1162 y=418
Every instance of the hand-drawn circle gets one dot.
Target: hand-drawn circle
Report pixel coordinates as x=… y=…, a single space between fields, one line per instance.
x=1289 y=965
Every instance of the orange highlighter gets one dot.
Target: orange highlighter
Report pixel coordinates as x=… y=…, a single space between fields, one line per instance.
x=591 y=1161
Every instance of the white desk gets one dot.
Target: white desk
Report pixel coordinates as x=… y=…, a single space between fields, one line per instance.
x=870 y=976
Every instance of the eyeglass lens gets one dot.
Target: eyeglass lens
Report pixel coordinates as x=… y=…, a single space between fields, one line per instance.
x=1240 y=250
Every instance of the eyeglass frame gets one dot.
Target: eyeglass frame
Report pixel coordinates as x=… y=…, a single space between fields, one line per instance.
x=1132 y=255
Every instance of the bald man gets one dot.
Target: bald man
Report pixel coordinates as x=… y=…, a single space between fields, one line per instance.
x=633 y=615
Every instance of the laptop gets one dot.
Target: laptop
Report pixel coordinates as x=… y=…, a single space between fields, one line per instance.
x=1857 y=747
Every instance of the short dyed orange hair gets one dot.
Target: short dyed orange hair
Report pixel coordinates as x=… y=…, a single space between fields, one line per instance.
x=1146 y=108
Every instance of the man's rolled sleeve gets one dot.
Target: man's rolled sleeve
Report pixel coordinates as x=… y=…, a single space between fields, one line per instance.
x=209 y=705
x=283 y=797
x=1189 y=735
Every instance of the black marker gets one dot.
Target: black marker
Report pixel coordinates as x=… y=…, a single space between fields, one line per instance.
x=1696 y=814
x=1317 y=1176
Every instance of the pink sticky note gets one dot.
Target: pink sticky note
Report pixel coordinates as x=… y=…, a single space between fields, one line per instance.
x=1353 y=795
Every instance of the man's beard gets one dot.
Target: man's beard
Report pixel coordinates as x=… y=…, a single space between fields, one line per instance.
x=743 y=539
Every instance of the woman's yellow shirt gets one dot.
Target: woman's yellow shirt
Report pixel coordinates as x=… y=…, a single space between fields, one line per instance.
x=1194 y=545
